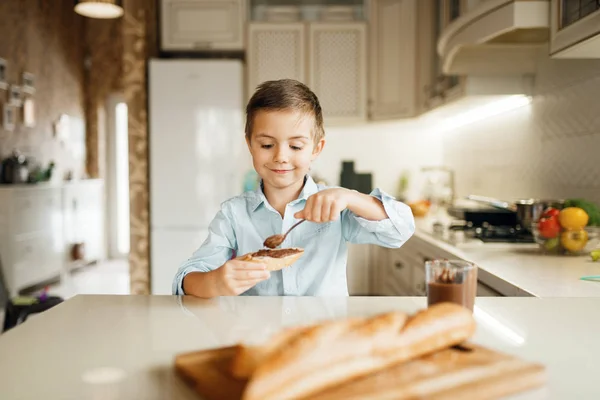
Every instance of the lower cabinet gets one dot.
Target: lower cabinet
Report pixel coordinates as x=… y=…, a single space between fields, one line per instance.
x=39 y=224
x=401 y=272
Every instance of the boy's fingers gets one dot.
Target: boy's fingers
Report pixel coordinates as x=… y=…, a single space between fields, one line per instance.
x=251 y=274
x=248 y=265
x=299 y=214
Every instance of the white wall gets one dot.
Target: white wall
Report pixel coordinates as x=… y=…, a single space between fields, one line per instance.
x=550 y=148
x=383 y=149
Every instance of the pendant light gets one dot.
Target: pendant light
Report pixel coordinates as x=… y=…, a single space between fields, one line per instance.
x=103 y=9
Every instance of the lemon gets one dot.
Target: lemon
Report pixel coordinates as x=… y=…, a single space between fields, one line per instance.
x=573 y=218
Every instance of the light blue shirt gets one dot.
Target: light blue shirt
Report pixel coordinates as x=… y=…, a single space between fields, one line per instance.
x=245 y=221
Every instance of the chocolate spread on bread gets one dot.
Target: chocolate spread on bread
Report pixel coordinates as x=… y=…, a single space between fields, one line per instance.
x=276 y=253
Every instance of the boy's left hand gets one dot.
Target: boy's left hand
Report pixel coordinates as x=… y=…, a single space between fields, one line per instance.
x=326 y=205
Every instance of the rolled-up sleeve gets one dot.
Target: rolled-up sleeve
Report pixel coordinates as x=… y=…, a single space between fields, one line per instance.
x=391 y=232
x=214 y=252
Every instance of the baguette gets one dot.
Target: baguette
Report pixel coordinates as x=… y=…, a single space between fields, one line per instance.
x=274 y=259
x=329 y=354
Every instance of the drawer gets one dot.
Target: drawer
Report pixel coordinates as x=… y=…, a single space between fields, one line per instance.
x=36 y=257
x=399 y=268
x=419 y=287
x=38 y=211
x=392 y=287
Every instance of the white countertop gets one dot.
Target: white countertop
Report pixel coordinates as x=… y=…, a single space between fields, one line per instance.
x=523 y=266
x=122 y=347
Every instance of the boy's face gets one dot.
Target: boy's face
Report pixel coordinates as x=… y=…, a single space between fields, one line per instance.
x=282 y=146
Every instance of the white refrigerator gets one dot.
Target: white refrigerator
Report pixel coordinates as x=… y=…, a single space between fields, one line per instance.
x=198 y=155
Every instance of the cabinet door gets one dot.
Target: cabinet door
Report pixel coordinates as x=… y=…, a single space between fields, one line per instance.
x=358 y=269
x=202 y=24
x=337 y=70
x=275 y=51
x=392 y=57
x=377 y=270
x=400 y=271
x=573 y=25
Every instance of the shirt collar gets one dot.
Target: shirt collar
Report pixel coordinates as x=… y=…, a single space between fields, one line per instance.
x=258 y=196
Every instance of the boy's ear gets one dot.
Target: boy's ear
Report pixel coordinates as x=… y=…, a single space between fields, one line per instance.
x=318 y=149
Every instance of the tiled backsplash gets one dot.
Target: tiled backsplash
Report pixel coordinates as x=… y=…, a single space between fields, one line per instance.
x=384 y=149
x=550 y=148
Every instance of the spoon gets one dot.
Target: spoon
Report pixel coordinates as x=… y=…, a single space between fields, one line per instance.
x=275 y=240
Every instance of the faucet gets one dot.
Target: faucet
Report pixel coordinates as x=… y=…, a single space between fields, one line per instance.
x=451 y=180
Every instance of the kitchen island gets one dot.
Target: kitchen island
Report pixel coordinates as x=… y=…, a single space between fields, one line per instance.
x=123 y=347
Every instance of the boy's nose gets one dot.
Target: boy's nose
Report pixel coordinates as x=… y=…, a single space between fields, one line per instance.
x=281 y=155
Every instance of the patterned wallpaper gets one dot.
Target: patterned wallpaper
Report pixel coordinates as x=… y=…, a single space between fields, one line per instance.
x=103 y=76
x=41 y=37
x=547 y=149
x=139 y=44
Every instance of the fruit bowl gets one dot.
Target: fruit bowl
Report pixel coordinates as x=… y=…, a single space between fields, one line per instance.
x=565 y=231
x=569 y=242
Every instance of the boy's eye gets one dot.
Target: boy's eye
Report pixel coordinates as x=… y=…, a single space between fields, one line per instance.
x=266 y=146
x=295 y=148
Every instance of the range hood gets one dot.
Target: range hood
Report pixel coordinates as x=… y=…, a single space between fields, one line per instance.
x=496 y=37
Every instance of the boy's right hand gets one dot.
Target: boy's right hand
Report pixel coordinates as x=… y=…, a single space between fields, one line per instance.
x=237 y=276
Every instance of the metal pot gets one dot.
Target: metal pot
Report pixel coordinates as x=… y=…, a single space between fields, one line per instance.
x=528 y=210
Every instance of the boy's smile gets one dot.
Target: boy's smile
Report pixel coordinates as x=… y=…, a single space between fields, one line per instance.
x=282 y=149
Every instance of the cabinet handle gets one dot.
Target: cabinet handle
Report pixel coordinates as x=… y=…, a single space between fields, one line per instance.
x=399 y=265
x=202 y=45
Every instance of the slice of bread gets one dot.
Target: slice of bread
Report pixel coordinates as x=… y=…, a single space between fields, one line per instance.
x=275 y=259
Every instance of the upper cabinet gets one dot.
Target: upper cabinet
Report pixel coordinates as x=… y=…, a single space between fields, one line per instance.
x=337 y=70
x=393 y=63
x=275 y=51
x=330 y=57
x=575 y=29
x=202 y=24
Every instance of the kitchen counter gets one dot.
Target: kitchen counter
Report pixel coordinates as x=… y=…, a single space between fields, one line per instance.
x=122 y=347
x=519 y=268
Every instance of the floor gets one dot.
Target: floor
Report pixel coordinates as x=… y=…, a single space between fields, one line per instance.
x=106 y=277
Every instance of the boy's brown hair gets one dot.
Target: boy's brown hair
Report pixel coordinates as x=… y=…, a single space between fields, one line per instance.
x=285 y=94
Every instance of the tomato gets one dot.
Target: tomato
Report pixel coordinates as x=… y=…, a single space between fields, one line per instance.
x=550 y=212
x=575 y=240
x=573 y=218
x=549 y=227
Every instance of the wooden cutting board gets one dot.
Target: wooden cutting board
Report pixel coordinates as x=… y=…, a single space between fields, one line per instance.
x=469 y=372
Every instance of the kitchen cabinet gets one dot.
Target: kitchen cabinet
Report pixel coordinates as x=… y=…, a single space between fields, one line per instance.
x=358 y=269
x=38 y=225
x=393 y=48
x=275 y=51
x=83 y=215
x=337 y=70
x=575 y=29
x=438 y=87
x=377 y=270
x=404 y=67
x=329 y=57
x=202 y=24
x=31 y=235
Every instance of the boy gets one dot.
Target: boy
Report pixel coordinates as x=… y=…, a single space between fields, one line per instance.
x=284 y=133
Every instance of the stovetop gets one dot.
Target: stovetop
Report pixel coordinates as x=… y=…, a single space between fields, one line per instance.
x=496 y=234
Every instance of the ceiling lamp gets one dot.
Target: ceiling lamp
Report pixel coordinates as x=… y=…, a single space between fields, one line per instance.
x=103 y=9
